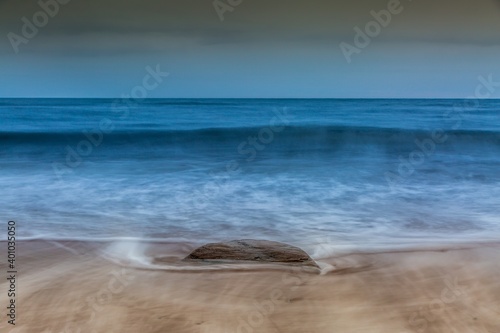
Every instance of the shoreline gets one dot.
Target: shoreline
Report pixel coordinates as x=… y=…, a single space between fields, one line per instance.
x=446 y=290
x=349 y=247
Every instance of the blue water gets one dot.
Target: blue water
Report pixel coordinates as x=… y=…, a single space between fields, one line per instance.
x=304 y=171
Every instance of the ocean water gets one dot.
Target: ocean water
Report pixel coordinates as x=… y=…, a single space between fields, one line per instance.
x=319 y=173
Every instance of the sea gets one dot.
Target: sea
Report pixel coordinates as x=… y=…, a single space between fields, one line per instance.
x=325 y=174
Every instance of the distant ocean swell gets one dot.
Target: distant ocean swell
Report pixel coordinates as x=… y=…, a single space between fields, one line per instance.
x=325 y=135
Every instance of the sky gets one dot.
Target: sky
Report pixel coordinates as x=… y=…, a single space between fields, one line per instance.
x=249 y=48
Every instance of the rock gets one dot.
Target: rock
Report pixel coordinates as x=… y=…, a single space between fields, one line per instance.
x=252 y=250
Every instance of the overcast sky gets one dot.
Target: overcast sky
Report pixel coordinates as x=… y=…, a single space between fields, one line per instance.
x=262 y=48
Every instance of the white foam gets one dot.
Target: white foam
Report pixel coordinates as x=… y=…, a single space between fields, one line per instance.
x=62 y=238
x=127 y=251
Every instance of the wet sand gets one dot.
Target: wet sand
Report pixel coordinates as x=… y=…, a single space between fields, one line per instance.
x=72 y=287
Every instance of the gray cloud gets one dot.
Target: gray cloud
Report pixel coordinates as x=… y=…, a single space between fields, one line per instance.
x=262 y=48
x=256 y=21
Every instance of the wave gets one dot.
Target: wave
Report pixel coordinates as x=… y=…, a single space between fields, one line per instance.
x=293 y=134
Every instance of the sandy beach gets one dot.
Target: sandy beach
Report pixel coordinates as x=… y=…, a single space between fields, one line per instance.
x=80 y=287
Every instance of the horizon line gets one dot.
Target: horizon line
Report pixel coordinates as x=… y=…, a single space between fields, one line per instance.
x=264 y=98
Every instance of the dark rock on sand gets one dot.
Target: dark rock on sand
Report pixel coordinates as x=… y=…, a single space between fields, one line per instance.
x=252 y=250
